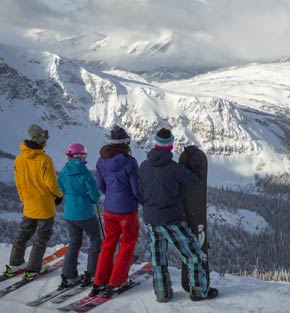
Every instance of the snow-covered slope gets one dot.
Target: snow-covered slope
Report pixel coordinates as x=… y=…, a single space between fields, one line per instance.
x=152 y=56
x=260 y=87
x=237 y=295
x=251 y=222
x=82 y=45
x=166 y=43
x=238 y=116
x=76 y=46
x=6 y=170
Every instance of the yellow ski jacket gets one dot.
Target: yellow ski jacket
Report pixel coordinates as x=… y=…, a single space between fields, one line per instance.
x=36 y=182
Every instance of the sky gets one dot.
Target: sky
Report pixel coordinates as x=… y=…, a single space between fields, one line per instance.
x=212 y=32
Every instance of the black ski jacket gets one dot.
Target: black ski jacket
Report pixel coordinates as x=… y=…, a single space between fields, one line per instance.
x=160 y=181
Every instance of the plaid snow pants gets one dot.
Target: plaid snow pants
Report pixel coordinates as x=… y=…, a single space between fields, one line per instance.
x=188 y=247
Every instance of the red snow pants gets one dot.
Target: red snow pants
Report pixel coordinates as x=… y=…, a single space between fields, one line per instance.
x=125 y=226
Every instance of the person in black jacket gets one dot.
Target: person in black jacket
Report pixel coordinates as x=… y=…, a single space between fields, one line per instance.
x=161 y=180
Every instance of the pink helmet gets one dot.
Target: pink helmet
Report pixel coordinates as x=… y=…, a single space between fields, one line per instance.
x=76 y=151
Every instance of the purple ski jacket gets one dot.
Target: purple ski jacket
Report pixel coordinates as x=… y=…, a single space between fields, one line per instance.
x=117 y=179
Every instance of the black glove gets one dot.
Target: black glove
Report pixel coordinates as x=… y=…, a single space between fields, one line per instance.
x=58 y=200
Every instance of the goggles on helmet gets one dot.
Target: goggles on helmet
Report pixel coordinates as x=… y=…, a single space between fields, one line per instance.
x=43 y=135
x=80 y=156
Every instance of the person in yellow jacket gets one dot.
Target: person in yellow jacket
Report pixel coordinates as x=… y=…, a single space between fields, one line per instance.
x=38 y=191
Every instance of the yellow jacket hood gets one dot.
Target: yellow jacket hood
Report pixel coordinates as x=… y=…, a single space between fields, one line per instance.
x=30 y=153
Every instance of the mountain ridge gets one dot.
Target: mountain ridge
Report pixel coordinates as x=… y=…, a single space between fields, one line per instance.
x=242 y=133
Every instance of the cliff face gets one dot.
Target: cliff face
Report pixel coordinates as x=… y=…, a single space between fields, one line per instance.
x=238 y=116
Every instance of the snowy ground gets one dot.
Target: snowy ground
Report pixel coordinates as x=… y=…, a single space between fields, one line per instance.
x=249 y=221
x=236 y=295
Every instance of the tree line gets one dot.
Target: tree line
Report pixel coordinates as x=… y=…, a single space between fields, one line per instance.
x=232 y=249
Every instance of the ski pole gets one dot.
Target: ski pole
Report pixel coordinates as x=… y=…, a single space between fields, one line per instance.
x=100 y=221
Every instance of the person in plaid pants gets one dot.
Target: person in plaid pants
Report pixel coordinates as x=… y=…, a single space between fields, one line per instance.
x=161 y=180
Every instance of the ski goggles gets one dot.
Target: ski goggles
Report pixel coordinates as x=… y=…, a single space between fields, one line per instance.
x=43 y=135
x=80 y=156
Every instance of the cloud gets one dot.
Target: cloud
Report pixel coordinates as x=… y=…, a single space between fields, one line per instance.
x=212 y=32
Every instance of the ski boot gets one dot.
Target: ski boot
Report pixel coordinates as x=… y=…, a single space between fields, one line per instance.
x=12 y=269
x=116 y=289
x=212 y=293
x=87 y=280
x=30 y=275
x=96 y=290
x=68 y=282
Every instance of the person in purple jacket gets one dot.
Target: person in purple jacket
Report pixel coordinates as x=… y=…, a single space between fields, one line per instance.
x=117 y=179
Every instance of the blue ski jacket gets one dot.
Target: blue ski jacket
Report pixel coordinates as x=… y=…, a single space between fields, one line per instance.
x=79 y=189
x=161 y=180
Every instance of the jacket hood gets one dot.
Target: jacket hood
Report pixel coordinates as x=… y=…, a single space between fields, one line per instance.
x=74 y=167
x=115 y=163
x=109 y=151
x=159 y=157
x=30 y=149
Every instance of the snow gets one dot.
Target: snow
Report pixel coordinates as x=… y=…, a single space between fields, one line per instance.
x=238 y=116
x=254 y=85
x=6 y=170
x=237 y=294
x=249 y=221
x=11 y=216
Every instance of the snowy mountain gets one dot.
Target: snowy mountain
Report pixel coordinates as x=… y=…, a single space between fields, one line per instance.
x=238 y=116
x=79 y=44
x=251 y=222
x=237 y=294
x=97 y=51
x=166 y=43
x=73 y=46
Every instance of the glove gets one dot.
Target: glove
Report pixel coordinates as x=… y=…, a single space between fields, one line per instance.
x=58 y=200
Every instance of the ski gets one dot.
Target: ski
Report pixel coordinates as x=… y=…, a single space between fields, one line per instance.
x=55 y=293
x=100 y=300
x=71 y=293
x=87 y=303
x=24 y=282
x=55 y=255
x=76 y=290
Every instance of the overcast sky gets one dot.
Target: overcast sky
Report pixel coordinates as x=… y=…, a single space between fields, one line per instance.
x=212 y=32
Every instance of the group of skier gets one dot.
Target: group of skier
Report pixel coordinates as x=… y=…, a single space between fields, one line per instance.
x=156 y=186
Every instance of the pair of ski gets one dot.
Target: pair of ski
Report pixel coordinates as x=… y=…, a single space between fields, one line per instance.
x=86 y=303
x=52 y=257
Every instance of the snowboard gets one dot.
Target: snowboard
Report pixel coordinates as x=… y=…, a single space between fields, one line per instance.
x=195 y=204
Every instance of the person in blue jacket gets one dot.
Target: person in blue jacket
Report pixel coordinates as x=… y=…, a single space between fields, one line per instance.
x=161 y=180
x=117 y=179
x=80 y=193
